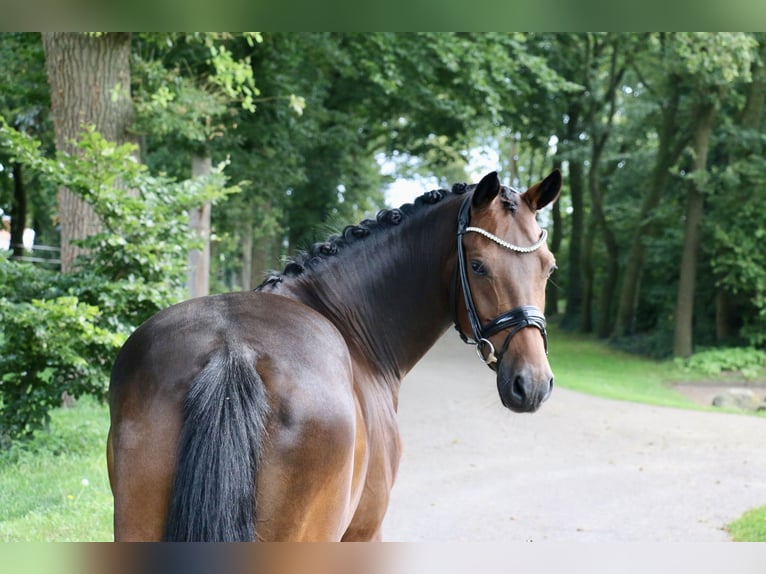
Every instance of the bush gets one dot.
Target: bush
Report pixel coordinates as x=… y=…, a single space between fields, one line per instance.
x=54 y=346
x=62 y=331
x=712 y=362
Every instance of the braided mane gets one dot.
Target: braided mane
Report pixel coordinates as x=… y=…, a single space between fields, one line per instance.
x=308 y=259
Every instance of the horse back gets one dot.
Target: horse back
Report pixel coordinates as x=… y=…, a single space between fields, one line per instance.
x=167 y=349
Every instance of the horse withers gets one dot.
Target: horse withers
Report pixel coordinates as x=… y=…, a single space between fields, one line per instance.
x=271 y=415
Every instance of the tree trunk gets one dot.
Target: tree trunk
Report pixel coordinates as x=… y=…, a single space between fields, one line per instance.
x=19 y=214
x=574 y=275
x=199 y=223
x=261 y=259
x=246 y=246
x=752 y=113
x=670 y=146
x=89 y=77
x=606 y=296
x=684 y=315
x=531 y=169
x=610 y=242
x=595 y=177
x=588 y=273
x=552 y=291
x=727 y=320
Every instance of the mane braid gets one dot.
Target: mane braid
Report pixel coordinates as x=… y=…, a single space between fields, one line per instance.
x=307 y=260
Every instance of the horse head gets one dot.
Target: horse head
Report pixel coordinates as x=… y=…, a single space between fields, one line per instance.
x=504 y=265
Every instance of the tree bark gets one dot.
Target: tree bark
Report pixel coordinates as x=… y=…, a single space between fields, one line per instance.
x=752 y=113
x=89 y=77
x=199 y=223
x=684 y=315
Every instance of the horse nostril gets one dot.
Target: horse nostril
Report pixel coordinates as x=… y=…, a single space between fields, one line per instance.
x=517 y=389
x=550 y=390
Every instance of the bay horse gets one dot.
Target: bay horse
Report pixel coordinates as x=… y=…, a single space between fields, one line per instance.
x=271 y=415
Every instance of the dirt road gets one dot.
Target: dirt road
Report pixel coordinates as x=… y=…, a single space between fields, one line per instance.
x=581 y=469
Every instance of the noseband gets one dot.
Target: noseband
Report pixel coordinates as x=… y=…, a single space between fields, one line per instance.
x=516 y=319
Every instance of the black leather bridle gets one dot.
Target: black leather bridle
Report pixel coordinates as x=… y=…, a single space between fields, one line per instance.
x=516 y=319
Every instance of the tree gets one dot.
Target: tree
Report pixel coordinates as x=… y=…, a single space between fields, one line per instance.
x=89 y=77
x=186 y=84
x=666 y=85
x=730 y=59
x=567 y=55
x=734 y=236
x=609 y=58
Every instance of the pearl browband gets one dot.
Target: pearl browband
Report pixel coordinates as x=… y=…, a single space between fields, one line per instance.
x=511 y=246
x=514 y=320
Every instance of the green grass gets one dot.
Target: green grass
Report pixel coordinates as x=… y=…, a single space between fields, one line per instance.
x=750 y=527
x=584 y=365
x=55 y=488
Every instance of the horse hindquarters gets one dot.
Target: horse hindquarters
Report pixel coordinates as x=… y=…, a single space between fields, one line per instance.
x=227 y=404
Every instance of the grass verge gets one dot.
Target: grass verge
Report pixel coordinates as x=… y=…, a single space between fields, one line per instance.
x=585 y=365
x=55 y=487
x=750 y=527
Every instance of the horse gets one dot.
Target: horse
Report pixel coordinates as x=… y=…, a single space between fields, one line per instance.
x=270 y=415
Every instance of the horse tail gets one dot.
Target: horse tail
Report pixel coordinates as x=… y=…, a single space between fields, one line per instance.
x=219 y=452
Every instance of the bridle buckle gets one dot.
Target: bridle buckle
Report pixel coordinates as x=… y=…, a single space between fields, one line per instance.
x=489 y=359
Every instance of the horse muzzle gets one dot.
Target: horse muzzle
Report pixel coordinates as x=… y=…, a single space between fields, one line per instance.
x=523 y=390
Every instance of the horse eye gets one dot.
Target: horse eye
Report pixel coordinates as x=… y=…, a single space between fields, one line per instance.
x=478 y=267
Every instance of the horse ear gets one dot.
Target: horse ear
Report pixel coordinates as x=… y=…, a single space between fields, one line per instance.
x=544 y=192
x=486 y=190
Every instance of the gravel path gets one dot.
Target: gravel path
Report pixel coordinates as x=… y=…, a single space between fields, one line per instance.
x=580 y=469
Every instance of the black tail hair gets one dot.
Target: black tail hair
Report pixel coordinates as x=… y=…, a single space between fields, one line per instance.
x=218 y=453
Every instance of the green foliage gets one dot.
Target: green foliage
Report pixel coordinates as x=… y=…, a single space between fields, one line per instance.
x=713 y=362
x=184 y=85
x=167 y=103
x=61 y=332
x=715 y=57
x=52 y=346
x=329 y=103
x=737 y=232
x=52 y=343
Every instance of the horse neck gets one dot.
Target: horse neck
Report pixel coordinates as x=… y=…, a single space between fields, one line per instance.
x=389 y=294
